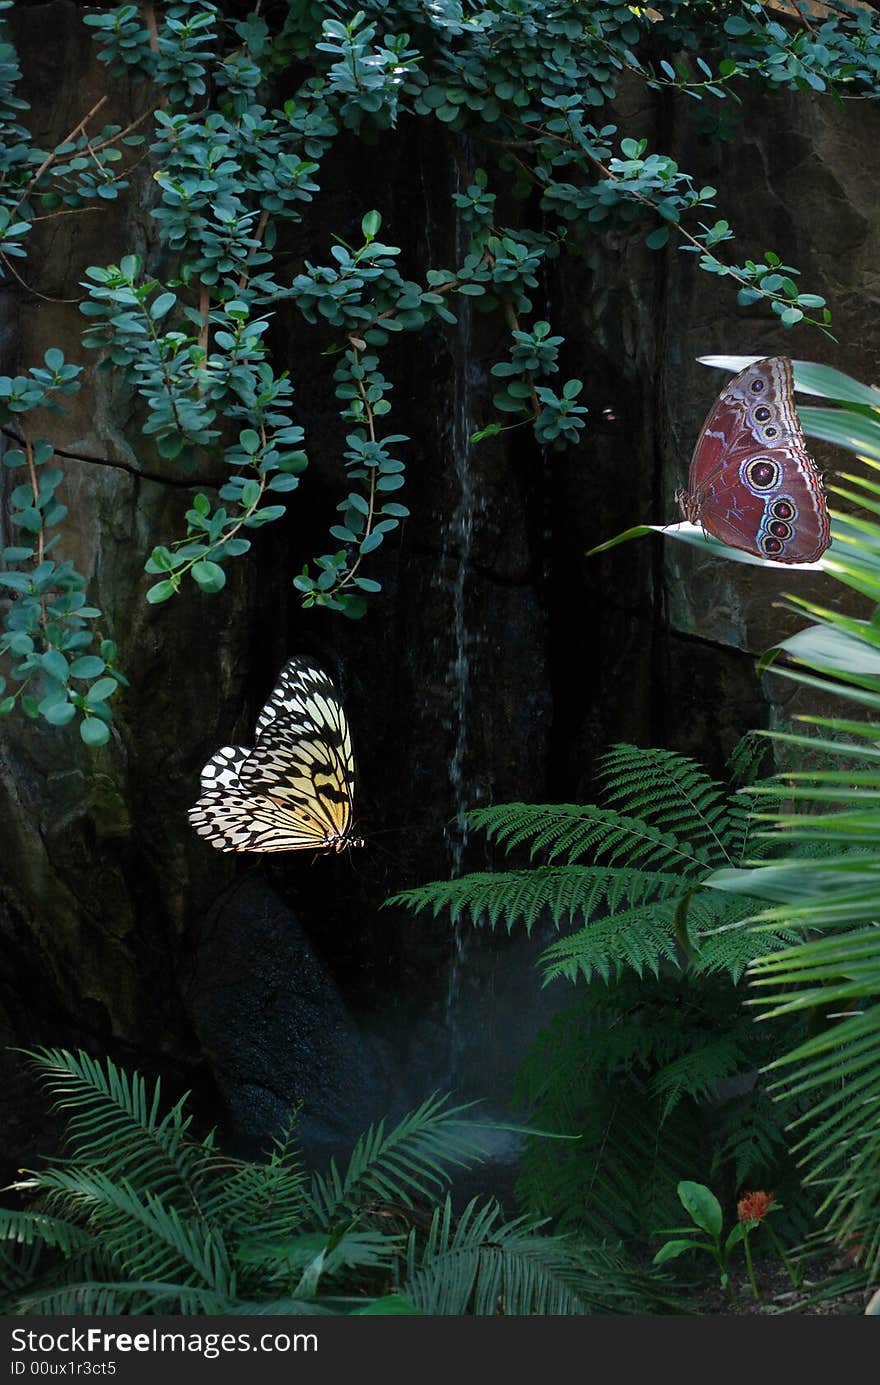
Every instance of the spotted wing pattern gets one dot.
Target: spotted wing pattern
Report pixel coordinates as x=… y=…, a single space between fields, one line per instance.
x=752 y=482
x=295 y=789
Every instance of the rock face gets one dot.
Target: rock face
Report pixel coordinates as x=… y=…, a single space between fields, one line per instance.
x=497 y=664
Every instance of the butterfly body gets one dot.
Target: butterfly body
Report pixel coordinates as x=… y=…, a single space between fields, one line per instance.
x=752 y=483
x=295 y=789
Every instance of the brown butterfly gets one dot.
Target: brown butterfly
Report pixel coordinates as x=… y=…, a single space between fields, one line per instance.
x=752 y=483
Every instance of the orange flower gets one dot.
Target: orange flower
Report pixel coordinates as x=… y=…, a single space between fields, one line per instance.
x=754 y=1206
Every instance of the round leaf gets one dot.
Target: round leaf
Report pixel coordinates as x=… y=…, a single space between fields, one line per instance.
x=210 y=577
x=89 y=666
x=161 y=591
x=60 y=714
x=94 y=731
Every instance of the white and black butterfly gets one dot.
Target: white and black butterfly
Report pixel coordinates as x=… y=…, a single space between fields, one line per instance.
x=295 y=790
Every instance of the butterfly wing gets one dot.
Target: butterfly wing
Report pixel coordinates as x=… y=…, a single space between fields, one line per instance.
x=295 y=789
x=752 y=483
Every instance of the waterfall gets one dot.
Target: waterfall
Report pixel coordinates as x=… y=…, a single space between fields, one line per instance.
x=458 y=539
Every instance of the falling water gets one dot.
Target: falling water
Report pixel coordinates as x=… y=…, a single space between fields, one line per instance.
x=458 y=539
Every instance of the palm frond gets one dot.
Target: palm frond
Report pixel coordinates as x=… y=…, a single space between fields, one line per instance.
x=831 y=971
x=261 y=1202
x=29 y=1228
x=151 y=1239
x=115 y=1122
x=414 y=1157
x=261 y=1238
x=482 y=1265
x=93 y=1298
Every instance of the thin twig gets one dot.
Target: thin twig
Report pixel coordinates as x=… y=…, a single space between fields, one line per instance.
x=50 y=158
x=15 y=274
x=258 y=236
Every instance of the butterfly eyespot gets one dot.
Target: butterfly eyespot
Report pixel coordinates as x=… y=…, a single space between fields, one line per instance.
x=783 y=509
x=762 y=474
x=769 y=503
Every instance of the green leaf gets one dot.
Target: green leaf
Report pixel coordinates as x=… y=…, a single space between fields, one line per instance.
x=162 y=305
x=102 y=689
x=739 y=1233
x=89 y=666
x=656 y=240
x=160 y=591
x=60 y=714
x=371 y=224
x=390 y=1304
x=94 y=731
x=693 y=535
x=209 y=576
x=672 y=1249
x=702 y=1206
x=810 y=377
x=56 y=665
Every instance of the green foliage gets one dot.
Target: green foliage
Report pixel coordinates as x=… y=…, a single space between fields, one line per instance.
x=522 y=83
x=704 y=1210
x=654 y=1068
x=480 y=1264
x=641 y=897
x=141 y=1217
x=831 y=969
x=45 y=630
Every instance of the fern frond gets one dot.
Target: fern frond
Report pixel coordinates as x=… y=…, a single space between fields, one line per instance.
x=619 y=1179
x=640 y=938
x=696 y=1074
x=573 y=830
x=531 y=896
x=754 y=1139
x=415 y=1157
x=674 y=794
x=752 y=759
x=721 y=937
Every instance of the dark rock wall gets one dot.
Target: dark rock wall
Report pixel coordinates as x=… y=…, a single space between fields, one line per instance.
x=497 y=664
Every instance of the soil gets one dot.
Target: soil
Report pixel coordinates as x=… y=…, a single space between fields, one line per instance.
x=778 y=1296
